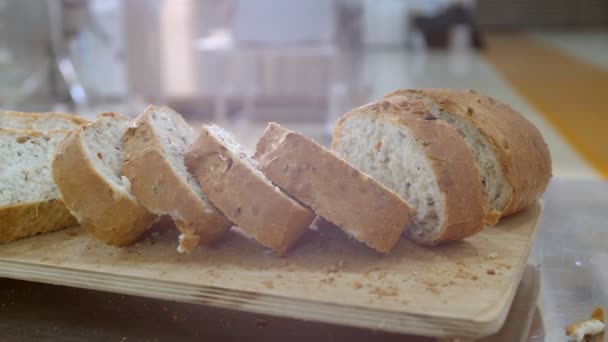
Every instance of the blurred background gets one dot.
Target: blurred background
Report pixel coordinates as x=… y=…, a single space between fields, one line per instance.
x=242 y=63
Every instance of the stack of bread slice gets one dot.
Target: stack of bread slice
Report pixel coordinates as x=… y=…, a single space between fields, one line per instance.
x=434 y=165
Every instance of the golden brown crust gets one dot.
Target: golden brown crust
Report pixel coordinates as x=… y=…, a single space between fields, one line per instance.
x=103 y=212
x=158 y=188
x=333 y=188
x=30 y=118
x=452 y=162
x=258 y=208
x=518 y=145
x=27 y=219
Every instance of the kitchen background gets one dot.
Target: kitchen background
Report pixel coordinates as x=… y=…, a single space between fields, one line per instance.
x=303 y=63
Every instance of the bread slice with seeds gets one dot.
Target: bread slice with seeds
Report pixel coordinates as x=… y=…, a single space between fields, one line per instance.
x=86 y=168
x=424 y=160
x=29 y=200
x=39 y=121
x=155 y=145
x=334 y=189
x=238 y=188
x=511 y=155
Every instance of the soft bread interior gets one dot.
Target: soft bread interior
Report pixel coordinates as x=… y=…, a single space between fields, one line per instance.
x=392 y=156
x=101 y=141
x=25 y=166
x=232 y=145
x=494 y=182
x=176 y=135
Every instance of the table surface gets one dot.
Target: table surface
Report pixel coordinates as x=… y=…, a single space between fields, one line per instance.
x=569 y=251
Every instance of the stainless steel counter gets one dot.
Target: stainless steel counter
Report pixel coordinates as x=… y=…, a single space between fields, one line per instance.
x=570 y=250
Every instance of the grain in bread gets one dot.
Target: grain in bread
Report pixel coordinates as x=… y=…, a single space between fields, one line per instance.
x=334 y=189
x=39 y=121
x=232 y=181
x=511 y=155
x=155 y=145
x=87 y=170
x=29 y=200
x=424 y=160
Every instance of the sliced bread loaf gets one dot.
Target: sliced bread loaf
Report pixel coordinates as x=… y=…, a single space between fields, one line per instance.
x=86 y=169
x=155 y=145
x=29 y=200
x=240 y=190
x=511 y=155
x=39 y=121
x=424 y=160
x=334 y=189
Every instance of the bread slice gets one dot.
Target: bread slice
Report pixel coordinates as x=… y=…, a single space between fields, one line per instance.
x=234 y=184
x=39 y=121
x=511 y=155
x=29 y=200
x=86 y=168
x=155 y=145
x=334 y=189
x=422 y=159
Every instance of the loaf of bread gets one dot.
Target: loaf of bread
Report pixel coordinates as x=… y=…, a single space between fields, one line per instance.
x=424 y=160
x=39 y=121
x=235 y=185
x=511 y=155
x=334 y=189
x=29 y=200
x=155 y=145
x=87 y=170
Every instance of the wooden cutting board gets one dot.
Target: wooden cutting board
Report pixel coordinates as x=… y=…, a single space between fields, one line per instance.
x=460 y=290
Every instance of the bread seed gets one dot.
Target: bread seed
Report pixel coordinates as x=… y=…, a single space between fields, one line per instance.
x=430 y=117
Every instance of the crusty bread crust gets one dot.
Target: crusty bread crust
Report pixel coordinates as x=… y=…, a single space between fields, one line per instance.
x=257 y=207
x=103 y=212
x=453 y=164
x=334 y=189
x=27 y=219
x=29 y=119
x=518 y=145
x=158 y=188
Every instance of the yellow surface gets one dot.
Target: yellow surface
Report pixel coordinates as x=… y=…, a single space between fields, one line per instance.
x=571 y=94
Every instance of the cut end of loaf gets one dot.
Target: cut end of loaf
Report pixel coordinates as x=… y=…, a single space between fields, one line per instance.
x=497 y=187
x=26 y=174
x=393 y=156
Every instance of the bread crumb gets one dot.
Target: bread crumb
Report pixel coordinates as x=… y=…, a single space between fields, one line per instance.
x=474 y=277
x=385 y=292
x=491 y=271
x=329 y=280
x=268 y=284
x=357 y=285
x=434 y=289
